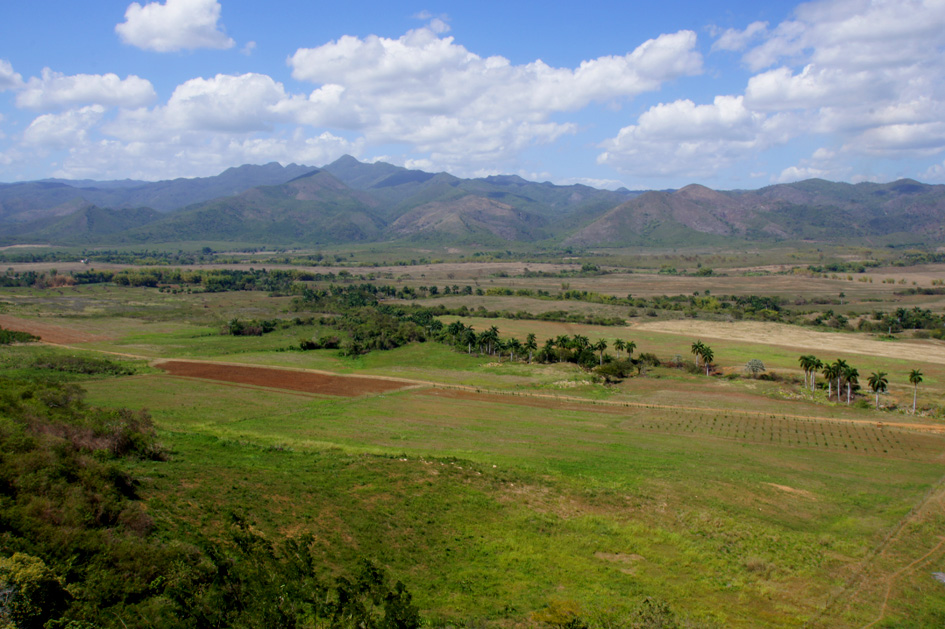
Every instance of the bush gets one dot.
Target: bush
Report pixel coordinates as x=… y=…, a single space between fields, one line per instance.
x=85 y=365
x=30 y=593
x=13 y=336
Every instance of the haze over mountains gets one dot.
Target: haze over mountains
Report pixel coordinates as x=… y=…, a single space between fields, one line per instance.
x=349 y=201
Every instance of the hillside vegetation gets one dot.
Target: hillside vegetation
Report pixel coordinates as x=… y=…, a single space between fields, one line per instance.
x=351 y=202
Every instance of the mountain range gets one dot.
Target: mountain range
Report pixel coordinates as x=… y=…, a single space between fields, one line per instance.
x=351 y=201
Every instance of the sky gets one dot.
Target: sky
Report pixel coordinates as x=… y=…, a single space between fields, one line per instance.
x=730 y=94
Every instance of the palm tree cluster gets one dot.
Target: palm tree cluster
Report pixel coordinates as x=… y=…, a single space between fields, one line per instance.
x=563 y=348
x=839 y=371
x=843 y=373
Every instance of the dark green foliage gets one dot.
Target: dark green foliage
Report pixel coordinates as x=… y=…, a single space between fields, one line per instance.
x=85 y=365
x=13 y=336
x=616 y=370
x=654 y=614
x=76 y=548
x=30 y=593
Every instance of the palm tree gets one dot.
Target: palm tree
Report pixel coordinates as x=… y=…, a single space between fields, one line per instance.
x=878 y=383
x=629 y=346
x=809 y=363
x=840 y=366
x=619 y=345
x=469 y=337
x=806 y=362
x=696 y=350
x=830 y=372
x=851 y=375
x=483 y=340
x=815 y=366
x=915 y=377
x=600 y=346
x=562 y=341
x=707 y=356
x=513 y=346
x=530 y=346
x=493 y=338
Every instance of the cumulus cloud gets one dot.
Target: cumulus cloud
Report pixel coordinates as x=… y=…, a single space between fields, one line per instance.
x=822 y=164
x=225 y=103
x=682 y=138
x=174 y=25
x=872 y=72
x=55 y=90
x=430 y=92
x=868 y=75
x=8 y=78
x=69 y=128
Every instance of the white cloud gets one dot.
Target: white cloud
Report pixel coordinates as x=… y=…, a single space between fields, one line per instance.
x=872 y=73
x=175 y=25
x=224 y=103
x=193 y=155
x=8 y=78
x=815 y=87
x=867 y=76
x=685 y=139
x=900 y=140
x=934 y=174
x=427 y=91
x=735 y=40
x=55 y=90
x=63 y=130
x=822 y=164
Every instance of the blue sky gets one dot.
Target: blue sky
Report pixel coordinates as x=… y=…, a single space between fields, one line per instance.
x=723 y=93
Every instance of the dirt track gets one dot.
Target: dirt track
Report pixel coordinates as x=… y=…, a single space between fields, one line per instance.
x=309 y=382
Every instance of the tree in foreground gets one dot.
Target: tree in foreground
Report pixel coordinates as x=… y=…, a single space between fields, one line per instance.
x=600 y=346
x=618 y=346
x=816 y=365
x=878 y=383
x=707 y=356
x=696 y=350
x=531 y=344
x=915 y=378
x=755 y=367
x=840 y=368
x=830 y=372
x=807 y=364
x=851 y=376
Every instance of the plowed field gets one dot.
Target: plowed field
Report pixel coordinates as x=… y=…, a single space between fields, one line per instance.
x=309 y=382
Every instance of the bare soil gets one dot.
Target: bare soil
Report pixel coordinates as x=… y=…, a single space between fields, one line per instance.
x=307 y=381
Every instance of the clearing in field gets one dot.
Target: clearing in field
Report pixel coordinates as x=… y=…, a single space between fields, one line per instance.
x=793 y=336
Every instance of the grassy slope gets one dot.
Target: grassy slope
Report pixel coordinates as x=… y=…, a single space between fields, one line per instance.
x=732 y=520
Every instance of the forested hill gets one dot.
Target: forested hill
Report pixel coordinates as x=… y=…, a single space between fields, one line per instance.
x=351 y=201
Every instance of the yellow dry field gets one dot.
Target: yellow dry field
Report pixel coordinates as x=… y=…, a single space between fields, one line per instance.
x=793 y=336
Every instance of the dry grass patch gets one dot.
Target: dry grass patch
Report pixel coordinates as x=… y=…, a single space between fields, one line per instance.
x=784 y=335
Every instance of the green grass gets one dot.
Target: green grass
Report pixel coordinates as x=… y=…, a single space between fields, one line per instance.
x=725 y=498
x=499 y=508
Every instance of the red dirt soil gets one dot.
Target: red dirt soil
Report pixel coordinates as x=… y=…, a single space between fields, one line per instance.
x=322 y=384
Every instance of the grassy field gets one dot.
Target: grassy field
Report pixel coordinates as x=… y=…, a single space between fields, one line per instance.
x=496 y=490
